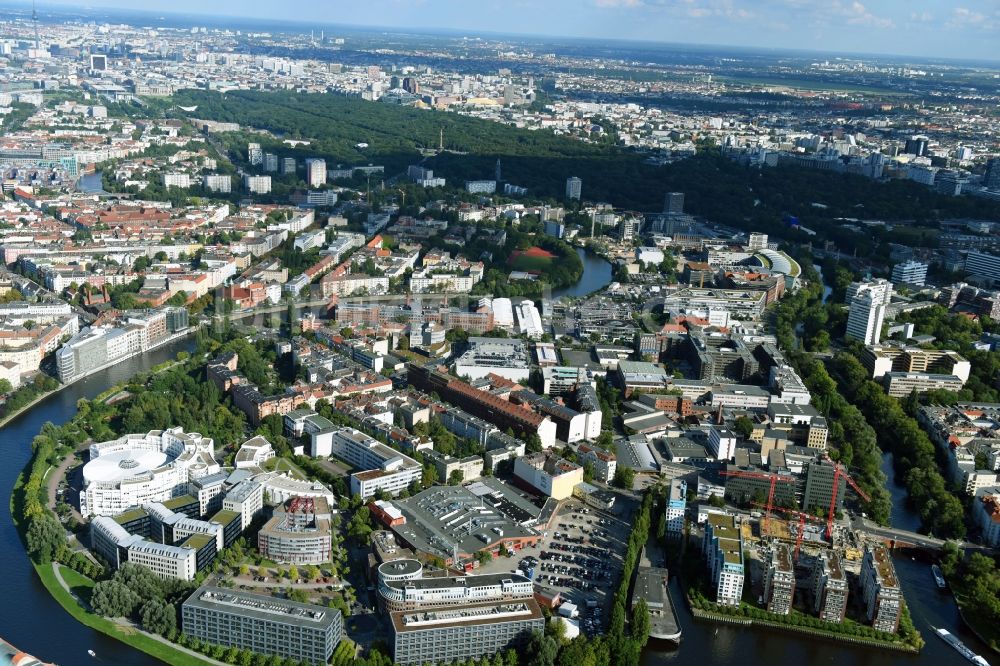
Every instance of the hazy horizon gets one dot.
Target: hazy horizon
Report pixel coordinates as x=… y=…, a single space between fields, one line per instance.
x=919 y=28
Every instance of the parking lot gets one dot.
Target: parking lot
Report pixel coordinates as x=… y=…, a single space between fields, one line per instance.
x=580 y=557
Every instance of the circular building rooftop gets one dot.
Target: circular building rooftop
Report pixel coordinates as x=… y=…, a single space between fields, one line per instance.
x=405 y=569
x=116 y=467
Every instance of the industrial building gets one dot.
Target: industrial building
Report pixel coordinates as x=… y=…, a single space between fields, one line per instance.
x=507 y=357
x=458 y=521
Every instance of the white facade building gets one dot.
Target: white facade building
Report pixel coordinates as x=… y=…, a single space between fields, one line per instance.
x=868 y=301
x=722 y=443
x=139 y=469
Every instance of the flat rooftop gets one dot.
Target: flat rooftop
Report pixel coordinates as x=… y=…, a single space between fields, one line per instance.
x=267 y=609
x=224 y=517
x=883 y=564
x=130 y=515
x=175 y=503
x=464 y=616
x=730 y=541
x=197 y=541
x=442 y=517
x=651 y=585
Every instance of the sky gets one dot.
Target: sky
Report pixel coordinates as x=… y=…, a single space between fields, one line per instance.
x=933 y=28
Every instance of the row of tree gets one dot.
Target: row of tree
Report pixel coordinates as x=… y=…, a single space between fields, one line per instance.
x=851 y=440
x=917 y=461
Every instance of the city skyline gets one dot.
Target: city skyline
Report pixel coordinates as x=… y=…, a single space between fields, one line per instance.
x=922 y=28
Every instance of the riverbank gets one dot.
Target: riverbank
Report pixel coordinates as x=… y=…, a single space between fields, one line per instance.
x=179 y=335
x=74 y=604
x=26 y=407
x=32 y=618
x=795 y=629
x=981 y=631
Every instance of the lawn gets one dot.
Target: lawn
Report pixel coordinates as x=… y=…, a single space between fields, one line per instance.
x=126 y=635
x=79 y=584
x=284 y=464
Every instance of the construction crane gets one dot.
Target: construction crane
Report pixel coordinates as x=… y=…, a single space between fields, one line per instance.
x=802 y=518
x=771 y=477
x=838 y=472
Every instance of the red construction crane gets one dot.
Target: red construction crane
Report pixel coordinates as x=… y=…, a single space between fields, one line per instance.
x=803 y=517
x=762 y=476
x=839 y=472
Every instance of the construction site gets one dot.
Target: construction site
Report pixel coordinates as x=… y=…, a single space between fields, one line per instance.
x=799 y=563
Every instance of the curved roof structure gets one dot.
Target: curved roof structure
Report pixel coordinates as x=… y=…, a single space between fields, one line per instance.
x=121 y=465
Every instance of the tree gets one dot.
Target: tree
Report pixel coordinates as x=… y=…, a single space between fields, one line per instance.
x=44 y=537
x=429 y=476
x=640 y=622
x=624 y=477
x=360 y=525
x=456 y=477
x=112 y=598
x=533 y=443
x=5 y=386
x=158 y=617
x=541 y=650
x=743 y=427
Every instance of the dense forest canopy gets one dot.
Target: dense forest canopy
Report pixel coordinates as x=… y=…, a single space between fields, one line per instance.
x=715 y=187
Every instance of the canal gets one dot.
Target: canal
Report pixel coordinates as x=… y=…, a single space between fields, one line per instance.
x=30 y=619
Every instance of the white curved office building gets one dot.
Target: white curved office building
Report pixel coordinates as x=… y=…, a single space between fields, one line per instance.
x=402 y=587
x=137 y=469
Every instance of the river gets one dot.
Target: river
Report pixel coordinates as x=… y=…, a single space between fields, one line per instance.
x=30 y=619
x=596 y=275
x=91 y=183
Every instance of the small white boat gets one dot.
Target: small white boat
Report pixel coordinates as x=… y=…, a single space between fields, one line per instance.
x=91 y=653
x=938 y=576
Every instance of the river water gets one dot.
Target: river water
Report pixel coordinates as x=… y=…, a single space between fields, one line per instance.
x=30 y=619
x=91 y=183
x=596 y=275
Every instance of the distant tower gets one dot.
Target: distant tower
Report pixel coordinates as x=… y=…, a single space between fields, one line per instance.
x=34 y=19
x=574 y=187
x=497 y=174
